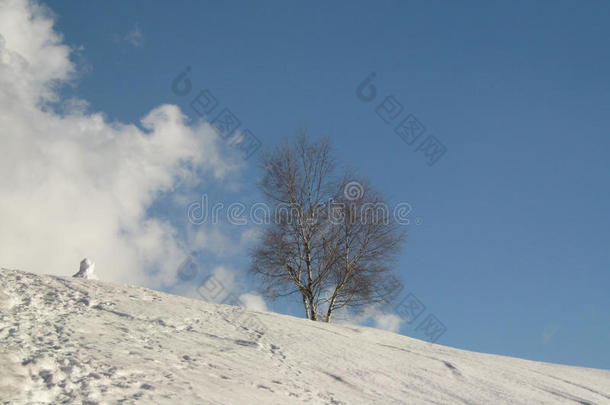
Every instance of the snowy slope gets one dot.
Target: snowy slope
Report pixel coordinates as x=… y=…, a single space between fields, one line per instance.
x=85 y=341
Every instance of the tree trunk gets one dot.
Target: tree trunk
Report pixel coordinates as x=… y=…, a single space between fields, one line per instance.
x=331 y=306
x=306 y=306
x=313 y=309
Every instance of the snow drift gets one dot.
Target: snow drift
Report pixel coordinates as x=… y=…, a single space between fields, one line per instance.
x=74 y=340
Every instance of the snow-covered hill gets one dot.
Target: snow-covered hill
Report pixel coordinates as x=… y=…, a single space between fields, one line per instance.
x=84 y=341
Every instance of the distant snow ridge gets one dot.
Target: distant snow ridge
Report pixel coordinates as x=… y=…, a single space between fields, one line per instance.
x=86 y=270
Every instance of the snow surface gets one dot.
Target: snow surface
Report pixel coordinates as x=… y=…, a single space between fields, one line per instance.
x=73 y=340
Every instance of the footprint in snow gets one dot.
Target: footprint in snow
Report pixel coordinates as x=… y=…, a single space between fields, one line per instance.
x=246 y=343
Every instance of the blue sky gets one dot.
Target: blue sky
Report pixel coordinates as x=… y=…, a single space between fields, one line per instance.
x=513 y=252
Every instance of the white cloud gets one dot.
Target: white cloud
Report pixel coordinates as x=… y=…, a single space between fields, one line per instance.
x=135 y=36
x=226 y=278
x=253 y=302
x=387 y=321
x=73 y=184
x=380 y=319
x=212 y=285
x=250 y=235
x=211 y=238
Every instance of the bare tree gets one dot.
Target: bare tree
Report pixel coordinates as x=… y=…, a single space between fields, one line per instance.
x=331 y=247
x=295 y=183
x=367 y=242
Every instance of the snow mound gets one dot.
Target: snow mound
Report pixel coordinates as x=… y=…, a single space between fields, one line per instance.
x=59 y=344
x=87 y=267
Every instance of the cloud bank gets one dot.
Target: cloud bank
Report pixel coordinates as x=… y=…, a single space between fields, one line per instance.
x=73 y=184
